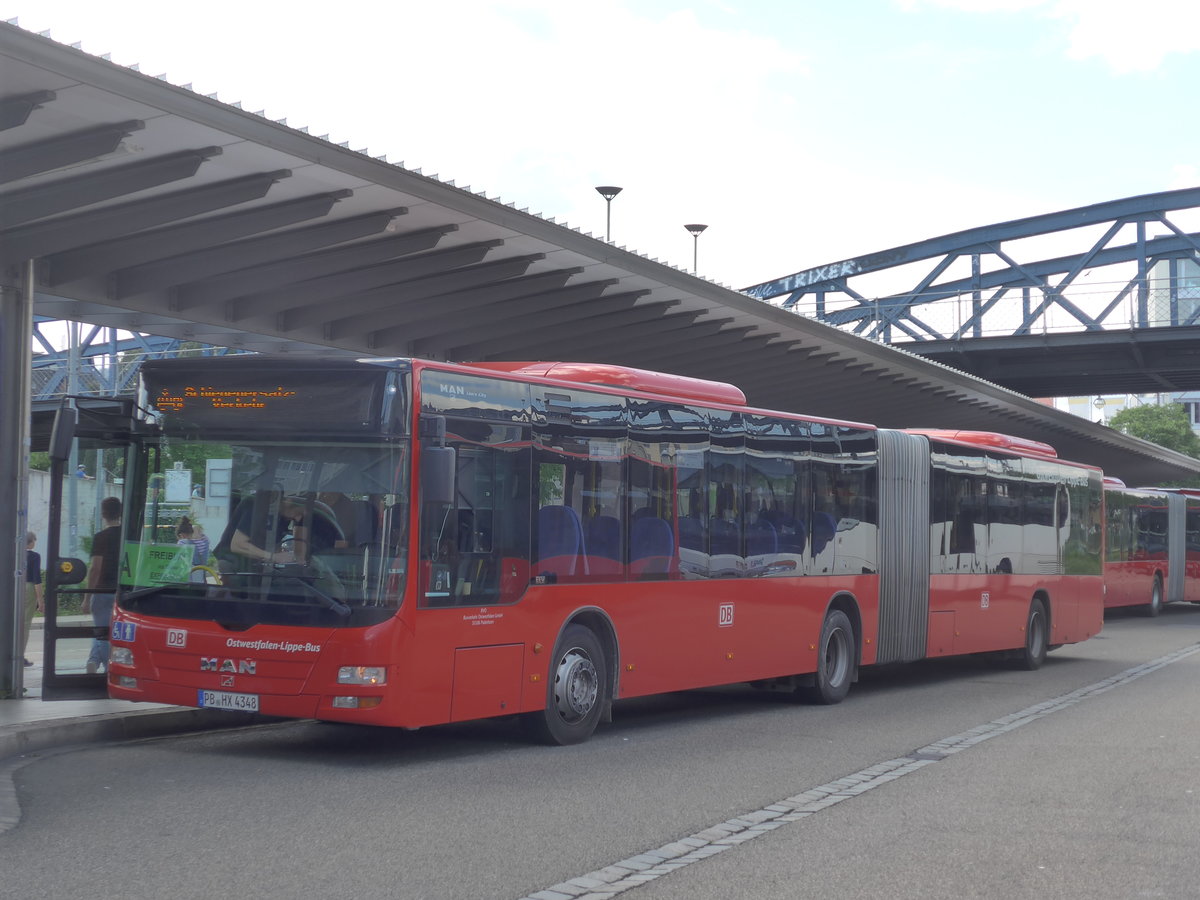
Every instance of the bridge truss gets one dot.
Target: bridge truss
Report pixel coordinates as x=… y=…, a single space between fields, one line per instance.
x=989 y=280
x=97 y=361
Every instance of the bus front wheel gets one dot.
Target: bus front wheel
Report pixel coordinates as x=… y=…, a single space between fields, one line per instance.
x=576 y=694
x=835 y=661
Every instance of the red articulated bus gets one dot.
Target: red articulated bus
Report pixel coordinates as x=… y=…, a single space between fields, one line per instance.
x=1151 y=546
x=408 y=543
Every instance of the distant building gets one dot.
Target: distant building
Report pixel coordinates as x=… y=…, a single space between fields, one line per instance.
x=1174 y=295
x=1103 y=408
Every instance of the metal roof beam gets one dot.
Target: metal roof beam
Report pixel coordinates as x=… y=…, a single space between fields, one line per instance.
x=784 y=365
x=773 y=375
x=667 y=347
x=66 y=233
x=515 y=315
x=687 y=349
x=15 y=110
x=327 y=268
x=243 y=255
x=64 y=150
x=325 y=290
x=548 y=312
x=419 y=278
x=594 y=346
x=397 y=297
x=602 y=343
x=482 y=296
x=50 y=198
x=402 y=324
x=290 y=299
x=164 y=243
x=427 y=318
x=559 y=319
x=562 y=335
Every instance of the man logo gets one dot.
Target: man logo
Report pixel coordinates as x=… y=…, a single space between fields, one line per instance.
x=240 y=666
x=725 y=615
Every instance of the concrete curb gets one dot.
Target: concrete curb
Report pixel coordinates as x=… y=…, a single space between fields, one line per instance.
x=29 y=737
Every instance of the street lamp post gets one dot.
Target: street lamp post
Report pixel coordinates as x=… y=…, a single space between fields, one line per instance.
x=607 y=191
x=695 y=231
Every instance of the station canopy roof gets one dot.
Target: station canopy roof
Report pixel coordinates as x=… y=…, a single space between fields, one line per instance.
x=148 y=207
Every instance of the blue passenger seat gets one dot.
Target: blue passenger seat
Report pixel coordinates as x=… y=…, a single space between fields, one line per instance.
x=560 y=542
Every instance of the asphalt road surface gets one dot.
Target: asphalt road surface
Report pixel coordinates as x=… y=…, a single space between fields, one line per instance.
x=946 y=779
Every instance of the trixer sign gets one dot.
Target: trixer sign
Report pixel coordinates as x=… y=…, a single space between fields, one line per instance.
x=215 y=664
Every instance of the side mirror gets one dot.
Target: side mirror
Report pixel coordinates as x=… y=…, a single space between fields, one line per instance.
x=437 y=475
x=63 y=433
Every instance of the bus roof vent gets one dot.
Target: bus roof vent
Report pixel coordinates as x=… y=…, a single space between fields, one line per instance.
x=1018 y=445
x=660 y=383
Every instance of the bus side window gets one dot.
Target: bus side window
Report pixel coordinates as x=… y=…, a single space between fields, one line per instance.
x=475 y=552
x=580 y=457
x=726 y=476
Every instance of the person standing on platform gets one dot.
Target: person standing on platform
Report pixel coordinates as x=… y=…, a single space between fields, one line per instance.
x=202 y=545
x=186 y=532
x=33 y=590
x=102 y=580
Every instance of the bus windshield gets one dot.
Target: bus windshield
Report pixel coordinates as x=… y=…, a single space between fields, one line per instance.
x=272 y=532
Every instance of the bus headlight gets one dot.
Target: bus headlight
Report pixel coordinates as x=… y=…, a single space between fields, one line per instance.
x=362 y=675
x=122 y=656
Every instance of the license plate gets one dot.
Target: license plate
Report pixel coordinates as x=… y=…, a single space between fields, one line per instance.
x=226 y=700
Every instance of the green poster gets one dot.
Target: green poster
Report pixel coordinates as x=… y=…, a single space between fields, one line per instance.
x=145 y=565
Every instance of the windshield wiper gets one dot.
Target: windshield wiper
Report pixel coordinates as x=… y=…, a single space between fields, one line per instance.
x=151 y=591
x=340 y=608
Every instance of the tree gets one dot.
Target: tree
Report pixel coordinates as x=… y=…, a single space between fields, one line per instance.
x=1167 y=425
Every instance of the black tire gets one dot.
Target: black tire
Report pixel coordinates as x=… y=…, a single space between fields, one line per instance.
x=836 y=661
x=577 y=692
x=1037 y=637
x=1155 y=606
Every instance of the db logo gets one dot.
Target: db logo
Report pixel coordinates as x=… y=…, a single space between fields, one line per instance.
x=176 y=637
x=725 y=615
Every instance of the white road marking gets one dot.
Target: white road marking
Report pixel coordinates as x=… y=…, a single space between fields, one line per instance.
x=652 y=864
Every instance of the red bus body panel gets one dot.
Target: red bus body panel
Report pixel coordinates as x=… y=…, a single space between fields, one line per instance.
x=456 y=663
x=1130 y=582
x=981 y=613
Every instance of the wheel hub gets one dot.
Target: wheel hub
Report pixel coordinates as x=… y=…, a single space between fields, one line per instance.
x=837 y=657
x=576 y=685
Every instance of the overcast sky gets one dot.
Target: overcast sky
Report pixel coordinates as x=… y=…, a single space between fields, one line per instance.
x=801 y=131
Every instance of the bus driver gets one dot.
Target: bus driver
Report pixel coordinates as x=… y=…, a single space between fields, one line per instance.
x=299 y=528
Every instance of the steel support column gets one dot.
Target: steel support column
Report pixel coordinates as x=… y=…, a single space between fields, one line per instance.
x=1173 y=290
x=1143 y=271
x=16 y=326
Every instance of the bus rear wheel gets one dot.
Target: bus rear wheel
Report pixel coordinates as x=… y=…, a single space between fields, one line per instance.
x=1037 y=637
x=577 y=691
x=1155 y=606
x=835 y=661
